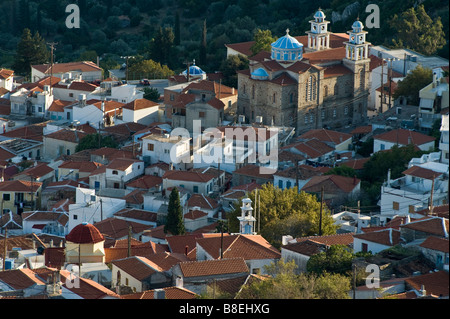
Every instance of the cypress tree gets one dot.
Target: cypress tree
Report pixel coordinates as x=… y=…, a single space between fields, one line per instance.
x=174 y=223
x=203 y=45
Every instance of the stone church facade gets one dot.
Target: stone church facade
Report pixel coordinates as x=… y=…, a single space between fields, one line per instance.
x=325 y=84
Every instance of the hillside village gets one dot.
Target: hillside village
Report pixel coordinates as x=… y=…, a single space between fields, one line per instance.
x=91 y=223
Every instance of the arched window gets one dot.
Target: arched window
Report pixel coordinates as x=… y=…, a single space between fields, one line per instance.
x=274 y=97
x=253 y=92
x=336 y=89
x=325 y=91
x=291 y=98
x=311 y=88
x=361 y=79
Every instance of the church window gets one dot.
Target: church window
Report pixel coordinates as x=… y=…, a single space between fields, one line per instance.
x=325 y=91
x=244 y=89
x=253 y=92
x=361 y=79
x=334 y=112
x=323 y=114
x=336 y=89
x=274 y=97
x=291 y=98
x=345 y=110
x=311 y=88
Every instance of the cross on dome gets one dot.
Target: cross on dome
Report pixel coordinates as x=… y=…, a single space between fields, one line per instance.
x=287 y=31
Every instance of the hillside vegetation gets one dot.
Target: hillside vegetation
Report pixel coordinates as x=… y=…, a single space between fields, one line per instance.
x=114 y=28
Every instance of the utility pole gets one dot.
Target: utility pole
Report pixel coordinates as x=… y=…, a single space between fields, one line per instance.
x=259 y=213
x=129 y=241
x=221 y=239
x=354 y=281
x=52 y=47
x=188 y=64
x=79 y=260
x=382 y=86
x=5 y=248
x=101 y=209
x=321 y=210
x=430 y=207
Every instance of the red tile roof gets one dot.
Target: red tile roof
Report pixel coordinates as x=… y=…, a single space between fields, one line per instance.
x=84 y=166
x=189 y=176
x=421 y=172
x=331 y=183
x=213 y=267
x=117 y=228
x=356 y=164
x=336 y=70
x=140 y=104
x=20 y=279
x=248 y=247
x=312 y=148
x=72 y=136
x=405 y=137
x=252 y=171
x=326 y=136
x=202 y=201
x=436 y=243
x=145 y=182
x=5 y=73
x=122 y=164
x=82 y=66
x=85 y=234
x=19 y=186
x=432 y=225
x=195 y=214
x=169 y=293
x=387 y=237
x=435 y=283
x=58 y=105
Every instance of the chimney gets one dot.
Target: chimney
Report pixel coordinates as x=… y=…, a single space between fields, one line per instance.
x=179 y=282
x=186 y=250
x=422 y=291
x=389 y=177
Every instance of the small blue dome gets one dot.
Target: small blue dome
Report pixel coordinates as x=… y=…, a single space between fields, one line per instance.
x=260 y=74
x=194 y=70
x=357 y=26
x=319 y=14
x=287 y=42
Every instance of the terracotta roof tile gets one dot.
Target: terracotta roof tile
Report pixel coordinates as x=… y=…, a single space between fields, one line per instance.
x=435 y=283
x=246 y=246
x=326 y=136
x=81 y=166
x=432 y=225
x=404 y=137
x=436 y=243
x=122 y=163
x=170 y=293
x=253 y=171
x=72 y=136
x=21 y=278
x=83 y=66
x=190 y=176
x=388 y=237
x=58 y=105
x=331 y=183
x=421 y=172
x=202 y=201
x=140 y=104
x=85 y=233
x=19 y=186
x=213 y=267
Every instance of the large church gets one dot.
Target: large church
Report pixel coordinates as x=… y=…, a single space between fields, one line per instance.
x=313 y=81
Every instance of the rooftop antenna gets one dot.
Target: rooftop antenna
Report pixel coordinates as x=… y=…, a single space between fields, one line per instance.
x=52 y=48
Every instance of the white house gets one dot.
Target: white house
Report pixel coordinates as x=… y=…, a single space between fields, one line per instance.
x=122 y=170
x=111 y=91
x=194 y=182
x=141 y=111
x=6 y=79
x=85 y=70
x=91 y=208
x=164 y=148
x=376 y=241
x=412 y=192
x=402 y=137
x=95 y=112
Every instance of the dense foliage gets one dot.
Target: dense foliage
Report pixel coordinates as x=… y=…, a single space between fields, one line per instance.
x=175 y=31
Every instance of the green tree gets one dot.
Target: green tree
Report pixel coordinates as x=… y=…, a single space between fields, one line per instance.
x=337 y=259
x=410 y=86
x=30 y=50
x=94 y=141
x=417 y=31
x=229 y=68
x=149 y=69
x=286 y=212
x=202 y=56
x=174 y=223
x=177 y=31
x=342 y=171
x=162 y=44
x=151 y=94
x=263 y=39
x=284 y=283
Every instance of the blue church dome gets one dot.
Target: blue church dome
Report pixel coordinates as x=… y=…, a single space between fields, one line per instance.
x=287 y=48
x=287 y=42
x=260 y=74
x=319 y=15
x=357 y=26
x=194 y=70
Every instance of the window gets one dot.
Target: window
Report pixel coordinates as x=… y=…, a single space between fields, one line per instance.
x=6 y=197
x=166 y=151
x=196 y=189
x=96 y=184
x=334 y=112
x=323 y=114
x=244 y=89
x=364 y=247
x=253 y=92
x=71 y=94
x=280 y=184
x=361 y=79
x=382 y=147
x=291 y=98
x=150 y=147
x=395 y=206
x=116 y=185
x=325 y=91
x=274 y=97
x=68 y=152
x=411 y=209
x=336 y=89
x=115 y=172
x=203 y=97
x=346 y=110
x=75 y=217
x=311 y=88
x=288 y=184
x=68 y=115
x=172 y=97
x=201 y=114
